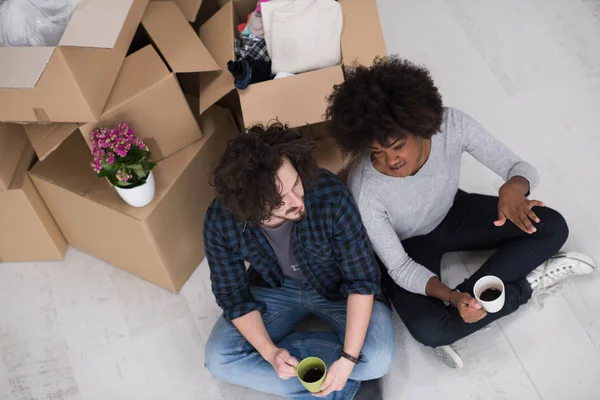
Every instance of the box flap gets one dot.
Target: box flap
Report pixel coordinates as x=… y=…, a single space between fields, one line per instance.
x=176 y=39
x=362 y=36
x=295 y=100
x=189 y=8
x=140 y=71
x=244 y=8
x=217 y=34
x=26 y=159
x=13 y=142
x=160 y=116
x=21 y=67
x=46 y=138
x=165 y=173
x=96 y=23
x=69 y=167
x=28 y=232
x=183 y=208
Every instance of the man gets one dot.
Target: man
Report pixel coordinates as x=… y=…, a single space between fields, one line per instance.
x=300 y=231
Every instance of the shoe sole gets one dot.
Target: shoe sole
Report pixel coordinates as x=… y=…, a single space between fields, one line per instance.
x=579 y=257
x=456 y=358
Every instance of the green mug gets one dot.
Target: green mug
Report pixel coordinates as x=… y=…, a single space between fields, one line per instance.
x=310 y=368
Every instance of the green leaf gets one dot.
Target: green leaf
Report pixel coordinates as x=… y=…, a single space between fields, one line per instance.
x=139 y=170
x=123 y=184
x=109 y=167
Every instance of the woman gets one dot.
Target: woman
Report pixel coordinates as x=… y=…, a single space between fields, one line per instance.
x=405 y=178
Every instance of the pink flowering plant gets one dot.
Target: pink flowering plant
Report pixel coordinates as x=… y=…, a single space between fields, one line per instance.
x=120 y=157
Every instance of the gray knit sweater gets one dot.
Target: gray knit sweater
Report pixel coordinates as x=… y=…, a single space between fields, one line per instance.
x=395 y=209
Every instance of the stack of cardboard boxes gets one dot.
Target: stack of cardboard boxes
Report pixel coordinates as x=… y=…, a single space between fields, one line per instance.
x=161 y=67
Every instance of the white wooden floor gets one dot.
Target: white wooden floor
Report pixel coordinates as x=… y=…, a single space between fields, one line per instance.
x=529 y=70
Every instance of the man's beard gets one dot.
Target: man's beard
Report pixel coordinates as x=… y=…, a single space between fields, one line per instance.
x=298 y=217
x=289 y=215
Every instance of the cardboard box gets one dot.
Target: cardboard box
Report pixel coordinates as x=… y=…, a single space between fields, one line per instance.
x=27 y=230
x=148 y=97
x=327 y=153
x=72 y=81
x=13 y=142
x=146 y=93
x=161 y=242
x=189 y=8
x=299 y=99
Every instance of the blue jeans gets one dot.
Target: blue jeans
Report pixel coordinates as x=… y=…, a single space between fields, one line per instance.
x=231 y=358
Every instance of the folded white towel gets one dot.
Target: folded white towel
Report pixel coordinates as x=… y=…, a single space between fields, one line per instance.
x=302 y=35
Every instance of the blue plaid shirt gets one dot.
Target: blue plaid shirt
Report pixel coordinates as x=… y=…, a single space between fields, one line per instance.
x=330 y=245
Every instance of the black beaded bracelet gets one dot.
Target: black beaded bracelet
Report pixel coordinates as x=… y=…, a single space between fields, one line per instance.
x=349 y=357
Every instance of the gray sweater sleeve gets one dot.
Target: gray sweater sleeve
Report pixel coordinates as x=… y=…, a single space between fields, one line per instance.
x=489 y=151
x=407 y=273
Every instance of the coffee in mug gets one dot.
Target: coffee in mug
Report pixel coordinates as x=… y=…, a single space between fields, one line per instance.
x=490 y=294
x=489 y=291
x=312 y=372
x=313 y=375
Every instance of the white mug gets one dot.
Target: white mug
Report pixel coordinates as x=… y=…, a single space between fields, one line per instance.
x=490 y=282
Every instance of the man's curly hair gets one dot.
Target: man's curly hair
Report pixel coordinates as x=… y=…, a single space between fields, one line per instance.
x=245 y=176
x=389 y=100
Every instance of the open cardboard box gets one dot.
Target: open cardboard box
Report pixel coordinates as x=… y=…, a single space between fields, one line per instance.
x=295 y=100
x=161 y=242
x=72 y=81
x=27 y=230
x=13 y=142
x=189 y=8
x=146 y=94
x=327 y=153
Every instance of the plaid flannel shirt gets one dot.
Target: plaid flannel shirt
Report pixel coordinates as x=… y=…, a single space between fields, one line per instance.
x=251 y=47
x=330 y=245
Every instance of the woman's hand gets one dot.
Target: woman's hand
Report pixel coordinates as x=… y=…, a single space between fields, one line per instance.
x=514 y=206
x=468 y=307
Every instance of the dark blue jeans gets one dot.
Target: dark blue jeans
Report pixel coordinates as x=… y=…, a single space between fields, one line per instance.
x=469 y=226
x=231 y=358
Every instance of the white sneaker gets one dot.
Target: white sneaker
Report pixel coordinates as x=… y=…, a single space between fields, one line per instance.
x=544 y=279
x=449 y=356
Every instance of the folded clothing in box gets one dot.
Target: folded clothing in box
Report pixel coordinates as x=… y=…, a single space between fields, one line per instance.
x=296 y=100
x=302 y=35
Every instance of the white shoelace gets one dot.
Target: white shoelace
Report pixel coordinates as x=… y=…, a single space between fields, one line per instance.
x=554 y=276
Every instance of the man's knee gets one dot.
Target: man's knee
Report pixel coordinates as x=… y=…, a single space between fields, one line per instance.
x=220 y=350
x=380 y=345
x=213 y=357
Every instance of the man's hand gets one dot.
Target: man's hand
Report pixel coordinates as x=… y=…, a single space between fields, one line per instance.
x=514 y=206
x=468 y=307
x=337 y=376
x=283 y=363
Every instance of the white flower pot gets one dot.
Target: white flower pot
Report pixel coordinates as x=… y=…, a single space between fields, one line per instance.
x=139 y=196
